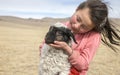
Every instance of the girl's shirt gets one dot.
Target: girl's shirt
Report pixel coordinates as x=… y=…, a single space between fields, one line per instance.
x=84 y=50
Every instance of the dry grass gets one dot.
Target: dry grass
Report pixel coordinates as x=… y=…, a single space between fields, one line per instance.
x=19 y=52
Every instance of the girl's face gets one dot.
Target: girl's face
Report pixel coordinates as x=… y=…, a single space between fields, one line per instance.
x=80 y=22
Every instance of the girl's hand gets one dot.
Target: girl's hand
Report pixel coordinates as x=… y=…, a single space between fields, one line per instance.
x=62 y=45
x=59 y=44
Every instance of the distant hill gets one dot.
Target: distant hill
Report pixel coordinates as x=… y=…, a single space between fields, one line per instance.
x=31 y=21
x=41 y=22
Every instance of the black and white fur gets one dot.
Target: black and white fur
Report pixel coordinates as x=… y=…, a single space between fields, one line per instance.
x=54 y=61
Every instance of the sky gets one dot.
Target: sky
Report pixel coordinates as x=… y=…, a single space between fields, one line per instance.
x=48 y=8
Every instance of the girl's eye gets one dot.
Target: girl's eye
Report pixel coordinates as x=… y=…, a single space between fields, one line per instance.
x=78 y=19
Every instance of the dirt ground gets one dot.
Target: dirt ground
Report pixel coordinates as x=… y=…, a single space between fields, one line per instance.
x=19 y=52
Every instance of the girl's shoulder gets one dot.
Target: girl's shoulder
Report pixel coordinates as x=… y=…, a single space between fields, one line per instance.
x=94 y=34
x=91 y=35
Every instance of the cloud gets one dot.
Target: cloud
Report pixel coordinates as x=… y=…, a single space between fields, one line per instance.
x=45 y=8
x=37 y=7
x=114 y=10
x=33 y=7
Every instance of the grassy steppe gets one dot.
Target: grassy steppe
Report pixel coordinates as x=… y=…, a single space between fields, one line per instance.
x=19 y=52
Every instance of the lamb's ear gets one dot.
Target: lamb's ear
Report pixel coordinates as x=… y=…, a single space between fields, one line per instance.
x=51 y=28
x=71 y=34
x=50 y=36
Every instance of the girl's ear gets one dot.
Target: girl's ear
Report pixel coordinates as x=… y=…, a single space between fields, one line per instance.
x=50 y=36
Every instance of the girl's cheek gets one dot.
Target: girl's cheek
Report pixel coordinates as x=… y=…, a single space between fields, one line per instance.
x=73 y=19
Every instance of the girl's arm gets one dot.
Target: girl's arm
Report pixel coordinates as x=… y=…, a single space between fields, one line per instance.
x=81 y=60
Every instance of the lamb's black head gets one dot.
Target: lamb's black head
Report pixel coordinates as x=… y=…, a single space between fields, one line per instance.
x=59 y=34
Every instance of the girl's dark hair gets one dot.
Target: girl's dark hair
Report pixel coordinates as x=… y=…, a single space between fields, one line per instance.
x=99 y=16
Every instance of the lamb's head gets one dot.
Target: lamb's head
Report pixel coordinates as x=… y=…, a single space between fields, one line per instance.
x=59 y=32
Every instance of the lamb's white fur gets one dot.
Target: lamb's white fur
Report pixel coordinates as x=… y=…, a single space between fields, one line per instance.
x=54 y=61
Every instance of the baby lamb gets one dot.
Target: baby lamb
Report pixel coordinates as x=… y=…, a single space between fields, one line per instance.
x=54 y=61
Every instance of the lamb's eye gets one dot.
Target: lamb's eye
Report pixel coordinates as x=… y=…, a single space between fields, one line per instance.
x=58 y=33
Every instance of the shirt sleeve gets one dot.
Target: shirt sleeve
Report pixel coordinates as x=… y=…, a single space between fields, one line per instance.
x=81 y=60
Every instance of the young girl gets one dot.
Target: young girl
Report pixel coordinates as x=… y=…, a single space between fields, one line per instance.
x=89 y=24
